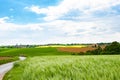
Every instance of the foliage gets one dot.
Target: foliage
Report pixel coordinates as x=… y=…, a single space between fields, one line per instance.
x=95 y=52
x=113 y=48
x=67 y=68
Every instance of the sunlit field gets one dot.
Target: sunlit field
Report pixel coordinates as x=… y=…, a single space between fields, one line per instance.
x=32 y=52
x=70 y=46
x=103 y=67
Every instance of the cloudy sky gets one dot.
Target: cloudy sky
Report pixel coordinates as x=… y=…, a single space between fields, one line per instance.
x=59 y=21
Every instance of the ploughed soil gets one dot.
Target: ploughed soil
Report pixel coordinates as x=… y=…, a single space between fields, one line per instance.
x=3 y=58
x=78 y=50
x=75 y=49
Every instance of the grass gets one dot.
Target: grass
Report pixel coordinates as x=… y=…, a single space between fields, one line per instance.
x=6 y=59
x=3 y=61
x=102 y=67
x=3 y=49
x=32 y=52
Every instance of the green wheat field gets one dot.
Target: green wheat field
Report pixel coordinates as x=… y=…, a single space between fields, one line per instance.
x=102 y=67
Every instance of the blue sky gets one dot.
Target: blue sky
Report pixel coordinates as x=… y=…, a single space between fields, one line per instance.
x=59 y=21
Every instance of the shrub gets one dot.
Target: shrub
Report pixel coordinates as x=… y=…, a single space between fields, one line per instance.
x=94 y=52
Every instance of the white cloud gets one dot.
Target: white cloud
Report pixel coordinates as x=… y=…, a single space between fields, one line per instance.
x=85 y=6
x=6 y=26
x=4 y=19
x=73 y=32
x=18 y=41
x=37 y=10
x=11 y=33
x=14 y=27
x=84 y=39
x=73 y=28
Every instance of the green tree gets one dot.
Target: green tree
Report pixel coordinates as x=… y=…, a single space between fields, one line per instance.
x=113 y=48
x=97 y=51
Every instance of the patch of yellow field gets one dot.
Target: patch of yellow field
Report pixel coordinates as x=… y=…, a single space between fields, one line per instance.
x=71 y=46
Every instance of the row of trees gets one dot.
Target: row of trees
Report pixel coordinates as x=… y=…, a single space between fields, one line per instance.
x=113 y=48
x=19 y=46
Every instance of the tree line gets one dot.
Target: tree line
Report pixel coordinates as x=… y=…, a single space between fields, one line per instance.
x=113 y=48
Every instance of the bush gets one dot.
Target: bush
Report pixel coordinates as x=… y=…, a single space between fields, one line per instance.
x=94 y=52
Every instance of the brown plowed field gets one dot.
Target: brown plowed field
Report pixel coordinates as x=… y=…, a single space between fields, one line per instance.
x=2 y=58
x=75 y=50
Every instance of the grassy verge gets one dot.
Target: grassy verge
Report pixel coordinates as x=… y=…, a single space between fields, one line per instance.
x=3 y=61
x=67 y=68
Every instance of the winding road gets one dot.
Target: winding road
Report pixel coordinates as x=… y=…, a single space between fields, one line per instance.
x=6 y=67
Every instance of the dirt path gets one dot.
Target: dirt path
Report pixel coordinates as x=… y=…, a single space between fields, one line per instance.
x=6 y=67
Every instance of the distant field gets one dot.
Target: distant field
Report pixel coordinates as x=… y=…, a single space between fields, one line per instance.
x=105 y=67
x=78 y=49
x=75 y=49
x=32 y=52
x=44 y=50
x=3 y=49
x=79 y=46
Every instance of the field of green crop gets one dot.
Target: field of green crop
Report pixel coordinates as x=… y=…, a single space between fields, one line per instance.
x=102 y=67
x=3 y=49
x=32 y=52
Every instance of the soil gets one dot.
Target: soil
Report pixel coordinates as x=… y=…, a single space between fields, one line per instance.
x=2 y=58
x=76 y=50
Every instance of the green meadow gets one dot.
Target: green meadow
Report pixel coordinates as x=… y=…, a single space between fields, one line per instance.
x=6 y=60
x=102 y=67
x=48 y=63
x=32 y=52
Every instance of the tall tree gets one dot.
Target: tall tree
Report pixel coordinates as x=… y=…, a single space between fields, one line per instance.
x=113 y=48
